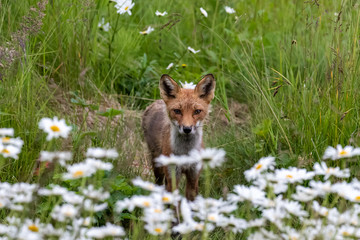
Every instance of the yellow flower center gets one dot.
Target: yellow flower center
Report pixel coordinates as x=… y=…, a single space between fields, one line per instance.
x=146 y=204
x=1 y=204
x=55 y=128
x=157 y=210
x=78 y=173
x=5 y=151
x=184 y=65
x=158 y=230
x=357 y=198
x=126 y=8
x=329 y=170
x=346 y=233
x=326 y=213
x=68 y=213
x=293 y=238
x=33 y=228
x=6 y=139
x=165 y=199
x=212 y=218
x=289 y=176
x=258 y=166
x=343 y=152
x=199 y=227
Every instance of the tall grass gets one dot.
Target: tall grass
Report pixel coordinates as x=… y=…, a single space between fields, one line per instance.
x=293 y=63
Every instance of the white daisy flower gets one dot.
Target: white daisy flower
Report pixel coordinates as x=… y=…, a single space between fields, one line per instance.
x=163 y=160
x=7 y=132
x=193 y=50
x=62 y=157
x=252 y=194
x=187 y=85
x=211 y=157
x=157 y=228
x=263 y=164
x=323 y=211
x=147 y=185
x=304 y=194
x=322 y=169
x=97 y=164
x=105 y=26
x=97 y=194
x=157 y=13
x=340 y=152
x=203 y=12
x=322 y=188
x=124 y=6
x=292 y=175
x=10 y=151
x=147 y=31
x=101 y=153
x=63 y=212
x=79 y=170
x=12 y=141
x=109 y=230
x=54 y=128
x=229 y=10
x=170 y=66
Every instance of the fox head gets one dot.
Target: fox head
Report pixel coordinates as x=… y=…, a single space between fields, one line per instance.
x=187 y=108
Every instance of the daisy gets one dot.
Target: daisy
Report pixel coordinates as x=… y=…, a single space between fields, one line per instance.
x=62 y=157
x=6 y=132
x=263 y=164
x=97 y=194
x=101 y=153
x=147 y=185
x=322 y=169
x=10 y=151
x=13 y=141
x=252 y=194
x=79 y=170
x=203 y=12
x=54 y=128
x=103 y=25
x=187 y=85
x=157 y=13
x=229 y=10
x=170 y=66
x=292 y=175
x=340 y=152
x=211 y=157
x=105 y=231
x=63 y=212
x=157 y=228
x=175 y=160
x=124 y=6
x=97 y=164
x=193 y=50
x=147 y=31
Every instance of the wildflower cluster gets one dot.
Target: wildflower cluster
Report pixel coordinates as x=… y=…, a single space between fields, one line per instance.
x=9 y=146
x=322 y=201
x=322 y=206
x=72 y=212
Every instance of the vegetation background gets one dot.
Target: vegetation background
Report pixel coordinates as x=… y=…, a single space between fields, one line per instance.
x=286 y=71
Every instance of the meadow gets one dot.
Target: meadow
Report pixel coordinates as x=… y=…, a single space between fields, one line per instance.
x=286 y=86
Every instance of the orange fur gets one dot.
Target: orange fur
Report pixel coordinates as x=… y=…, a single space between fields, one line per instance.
x=173 y=125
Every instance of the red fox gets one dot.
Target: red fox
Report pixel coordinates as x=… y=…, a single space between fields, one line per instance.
x=174 y=125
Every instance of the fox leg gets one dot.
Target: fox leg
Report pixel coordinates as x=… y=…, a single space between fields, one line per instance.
x=192 y=184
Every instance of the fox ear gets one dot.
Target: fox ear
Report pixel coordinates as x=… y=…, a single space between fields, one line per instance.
x=206 y=88
x=168 y=87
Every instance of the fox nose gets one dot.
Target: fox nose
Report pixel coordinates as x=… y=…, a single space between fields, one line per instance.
x=187 y=130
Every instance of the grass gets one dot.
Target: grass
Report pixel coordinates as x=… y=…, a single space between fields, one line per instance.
x=294 y=64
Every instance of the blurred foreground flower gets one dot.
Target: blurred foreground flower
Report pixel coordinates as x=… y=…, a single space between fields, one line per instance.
x=103 y=25
x=203 y=12
x=147 y=31
x=54 y=128
x=124 y=6
x=157 y=13
x=193 y=50
x=340 y=152
x=229 y=10
x=211 y=157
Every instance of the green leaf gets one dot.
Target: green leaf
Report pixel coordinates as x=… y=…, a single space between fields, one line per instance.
x=110 y=112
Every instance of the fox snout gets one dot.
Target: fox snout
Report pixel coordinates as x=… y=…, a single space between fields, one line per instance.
x=187 y=129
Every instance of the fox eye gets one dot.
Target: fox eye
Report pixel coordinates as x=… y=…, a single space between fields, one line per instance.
x=197 y=111
x=177 y=111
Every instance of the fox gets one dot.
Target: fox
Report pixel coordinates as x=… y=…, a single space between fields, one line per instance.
x=174 y=125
